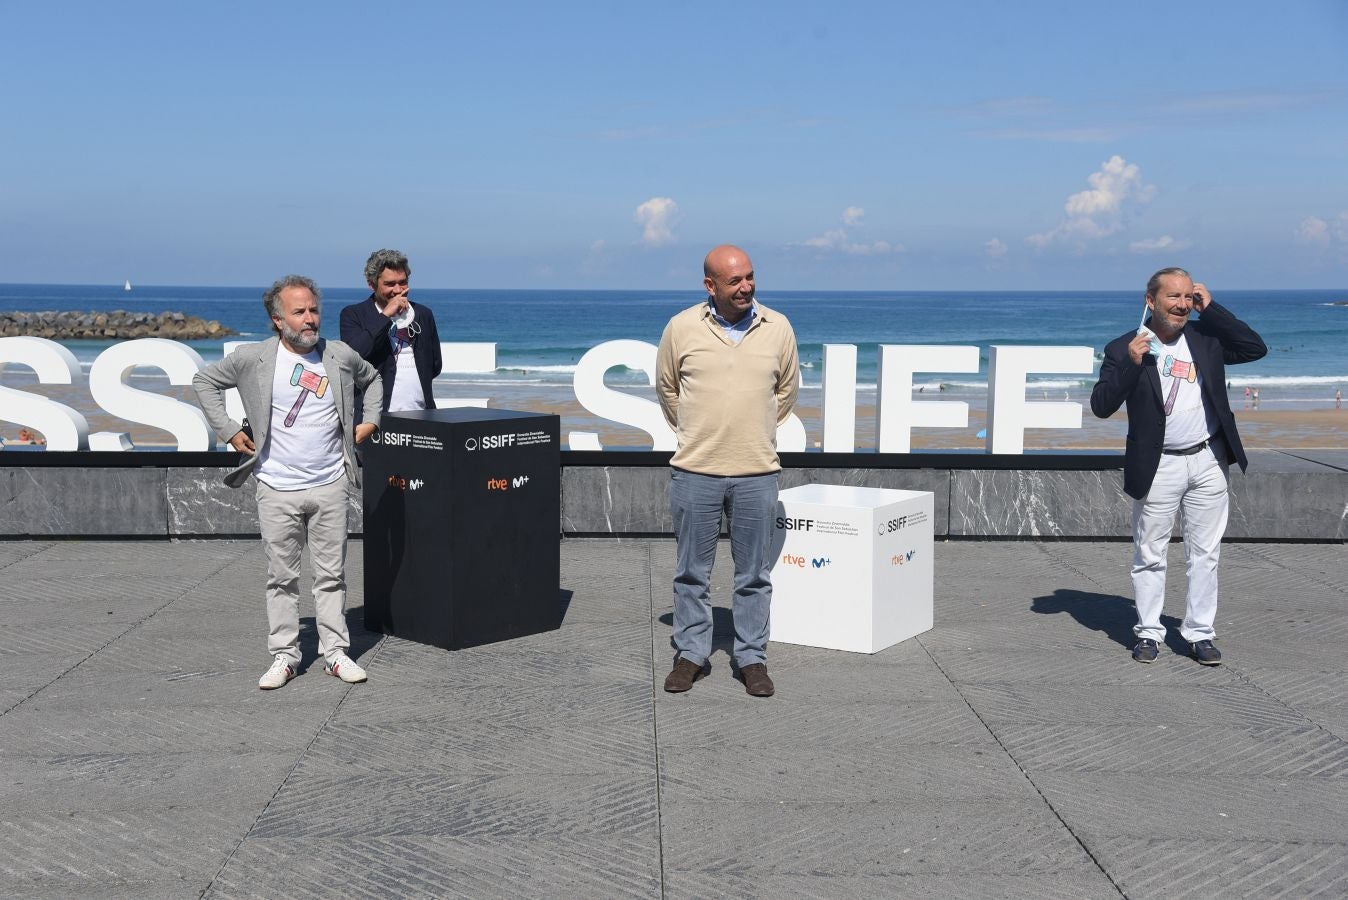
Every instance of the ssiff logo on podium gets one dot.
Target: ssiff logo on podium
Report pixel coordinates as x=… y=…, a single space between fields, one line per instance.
x=853 y=567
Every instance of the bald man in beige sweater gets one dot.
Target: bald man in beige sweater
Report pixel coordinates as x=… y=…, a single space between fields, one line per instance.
x=727 y=374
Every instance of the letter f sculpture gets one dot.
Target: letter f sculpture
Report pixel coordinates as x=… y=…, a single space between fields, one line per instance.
x=308 y=382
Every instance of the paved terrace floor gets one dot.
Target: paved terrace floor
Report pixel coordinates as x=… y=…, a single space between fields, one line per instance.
x=1014 y=751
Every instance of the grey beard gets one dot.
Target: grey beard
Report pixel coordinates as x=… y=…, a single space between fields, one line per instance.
x=305 y=340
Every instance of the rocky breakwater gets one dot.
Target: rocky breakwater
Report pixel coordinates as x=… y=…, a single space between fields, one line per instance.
x=115 y=325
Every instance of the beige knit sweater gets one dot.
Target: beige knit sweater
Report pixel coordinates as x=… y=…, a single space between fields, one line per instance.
x=725 y=400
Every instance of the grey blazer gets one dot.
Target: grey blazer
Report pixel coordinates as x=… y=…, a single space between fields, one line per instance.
x=252 y=368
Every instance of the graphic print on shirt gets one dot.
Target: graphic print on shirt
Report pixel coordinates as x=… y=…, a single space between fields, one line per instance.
x=1177 y=370
x=308 y=383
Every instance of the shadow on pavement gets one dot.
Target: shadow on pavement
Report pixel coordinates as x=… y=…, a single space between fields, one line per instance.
x=1108 y=613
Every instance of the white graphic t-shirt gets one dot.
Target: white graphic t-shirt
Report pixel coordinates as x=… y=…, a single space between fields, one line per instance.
x=1187 y=421
x=407 y=393
x=304 y=443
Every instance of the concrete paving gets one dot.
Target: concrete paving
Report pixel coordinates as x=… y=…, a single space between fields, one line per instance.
x=1013 y=751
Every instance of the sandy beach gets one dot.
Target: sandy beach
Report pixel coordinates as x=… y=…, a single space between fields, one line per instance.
x=1319 y=427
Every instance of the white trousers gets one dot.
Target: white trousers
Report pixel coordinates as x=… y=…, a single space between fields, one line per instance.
x=1195 y=486
x=290 y=520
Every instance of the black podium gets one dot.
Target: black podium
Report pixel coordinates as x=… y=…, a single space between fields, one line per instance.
x=462 y=523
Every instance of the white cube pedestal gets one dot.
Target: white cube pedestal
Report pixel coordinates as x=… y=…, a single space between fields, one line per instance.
x=854 y=567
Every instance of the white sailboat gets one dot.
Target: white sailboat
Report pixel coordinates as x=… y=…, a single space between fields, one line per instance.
x=127 y=286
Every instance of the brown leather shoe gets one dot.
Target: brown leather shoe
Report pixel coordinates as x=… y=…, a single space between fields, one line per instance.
x=682 y=676
x=756 y=681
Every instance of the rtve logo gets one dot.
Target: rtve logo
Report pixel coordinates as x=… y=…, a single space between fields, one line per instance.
x=799 y=561
x=505 y=484
x=900 y=558
x=795 y=524
x=403 y=484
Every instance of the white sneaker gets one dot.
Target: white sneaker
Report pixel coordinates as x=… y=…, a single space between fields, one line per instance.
x=280 y=672
x=344 y=667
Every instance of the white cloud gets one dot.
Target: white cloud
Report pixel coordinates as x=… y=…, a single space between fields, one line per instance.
x=1313 y=230
x=1323 y=233
x=840 y=240
x=657 y=218
x=1151 y=245
x=995 y=248
x=1098 y=212
x=597 y=246
x=1116 y=181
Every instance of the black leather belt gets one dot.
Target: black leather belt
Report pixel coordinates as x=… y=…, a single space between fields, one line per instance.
x=1190 y=451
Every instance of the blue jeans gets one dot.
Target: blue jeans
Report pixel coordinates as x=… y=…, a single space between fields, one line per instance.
x=749 y=503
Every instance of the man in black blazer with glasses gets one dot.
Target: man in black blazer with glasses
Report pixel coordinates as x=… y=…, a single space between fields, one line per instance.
x=395 y=335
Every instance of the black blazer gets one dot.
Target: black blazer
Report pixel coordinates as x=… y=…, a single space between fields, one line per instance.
x=365 y=329
x=1215 y=339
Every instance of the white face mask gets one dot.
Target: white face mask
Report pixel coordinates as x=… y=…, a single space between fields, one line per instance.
x=1155 y=345
x=404 y=318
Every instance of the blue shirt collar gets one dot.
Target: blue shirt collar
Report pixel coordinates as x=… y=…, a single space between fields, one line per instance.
x=742 y=325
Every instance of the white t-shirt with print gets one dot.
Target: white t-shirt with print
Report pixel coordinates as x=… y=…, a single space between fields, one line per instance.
x=304 y=442
x=1187 y=420
x=407 y=393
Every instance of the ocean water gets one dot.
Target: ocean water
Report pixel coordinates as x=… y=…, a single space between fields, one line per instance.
x=540 y=335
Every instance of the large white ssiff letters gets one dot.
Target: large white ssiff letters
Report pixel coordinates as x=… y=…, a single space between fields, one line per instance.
x=897 y=411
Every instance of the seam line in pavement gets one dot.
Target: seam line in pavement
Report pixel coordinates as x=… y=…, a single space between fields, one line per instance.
x=130 y=628
x=318 y=732
x=1026 y=775
x=1236 y=673
x=655 y=721
x=1260 y=554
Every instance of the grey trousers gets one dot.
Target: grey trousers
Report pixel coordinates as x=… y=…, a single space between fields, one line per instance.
x=697 y=502
x=289 y=520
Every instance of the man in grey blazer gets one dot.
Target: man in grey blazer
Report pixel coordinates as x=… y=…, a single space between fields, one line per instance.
x=298 y=394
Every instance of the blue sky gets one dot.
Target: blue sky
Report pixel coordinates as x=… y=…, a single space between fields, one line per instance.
x=885 y=146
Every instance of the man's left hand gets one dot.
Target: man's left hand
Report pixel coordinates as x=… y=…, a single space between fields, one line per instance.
x=364 y=430
x=1201 y=296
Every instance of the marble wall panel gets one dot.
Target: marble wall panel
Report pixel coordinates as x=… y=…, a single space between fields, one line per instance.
x=199 y=503
x=1306 y=501
x=1018 y=503
x=635 y=500
x=82 y=502
x=616 y=500
x=1289 y=506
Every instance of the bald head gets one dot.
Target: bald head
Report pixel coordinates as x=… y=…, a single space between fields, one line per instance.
x=720 y=257
x=728 y=276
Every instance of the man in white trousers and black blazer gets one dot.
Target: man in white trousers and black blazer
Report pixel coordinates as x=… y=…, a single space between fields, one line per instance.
x=1182 y=438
